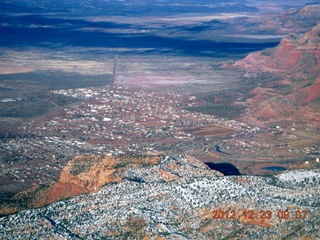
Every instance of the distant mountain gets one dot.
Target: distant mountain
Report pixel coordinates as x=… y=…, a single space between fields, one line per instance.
x=295 y=21
x=287 y=79
x=126 y=7
x=258 y=27
x=291 y=21
x=178 y=197
x=303 y=15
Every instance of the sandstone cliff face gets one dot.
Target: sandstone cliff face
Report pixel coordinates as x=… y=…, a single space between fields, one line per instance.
x=86 y=174
x=288 y=76
x=294 y=53
x=178 y=198
x=83 y=174
x=73 y=181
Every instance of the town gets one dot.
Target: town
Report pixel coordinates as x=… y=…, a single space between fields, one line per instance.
x=139 y=121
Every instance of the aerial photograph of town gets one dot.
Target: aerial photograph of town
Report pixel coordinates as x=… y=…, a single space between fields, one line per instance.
x=163 y=119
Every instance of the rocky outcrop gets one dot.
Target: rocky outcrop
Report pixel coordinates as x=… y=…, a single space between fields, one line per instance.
x=288 y=78
x=83 y=174
x=294 y=53
x=303 y=17
x=290 y=21
x=180 y=198
x=89 y=174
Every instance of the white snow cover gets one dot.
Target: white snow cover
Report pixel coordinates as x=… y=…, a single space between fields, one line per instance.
x=298 y=175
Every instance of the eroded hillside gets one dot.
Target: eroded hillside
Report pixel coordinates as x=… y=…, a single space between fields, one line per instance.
x=180 y=198
x=287 y=80
x=83 y=174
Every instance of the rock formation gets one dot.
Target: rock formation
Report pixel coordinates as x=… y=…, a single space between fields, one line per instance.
x=83 y=174
x=177 y=197
x=288 y=78
x=294 y=53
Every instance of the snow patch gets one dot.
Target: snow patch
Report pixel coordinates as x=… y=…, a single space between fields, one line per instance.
x=298 y=176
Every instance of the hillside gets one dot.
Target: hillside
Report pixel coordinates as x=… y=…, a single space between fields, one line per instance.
x=252 y=28
x=178 y=198
x=83 y=174
x=286 y=79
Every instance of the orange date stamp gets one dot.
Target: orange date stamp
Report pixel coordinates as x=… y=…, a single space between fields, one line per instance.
x=261 y=214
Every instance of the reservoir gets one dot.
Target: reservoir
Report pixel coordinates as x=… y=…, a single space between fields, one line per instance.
x=218 y=150
x=227 y=169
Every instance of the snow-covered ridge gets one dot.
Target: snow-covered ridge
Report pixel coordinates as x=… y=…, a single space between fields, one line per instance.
x=175 y=199
x=299 y=175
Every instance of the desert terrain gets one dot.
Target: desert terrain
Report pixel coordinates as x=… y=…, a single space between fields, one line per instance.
x=94 y=83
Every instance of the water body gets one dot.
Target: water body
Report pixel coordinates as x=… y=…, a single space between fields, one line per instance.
x=227 y=169
x=275 y=168
x=218 y=150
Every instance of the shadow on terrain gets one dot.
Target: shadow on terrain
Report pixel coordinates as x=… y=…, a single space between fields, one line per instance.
x=55 y=80
x=39 y=31
x=126 y=7
x=33 y=91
